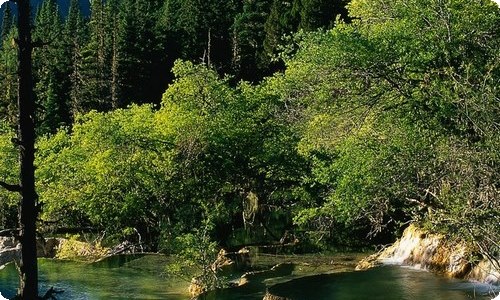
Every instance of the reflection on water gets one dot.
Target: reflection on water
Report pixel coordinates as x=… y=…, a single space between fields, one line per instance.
x=123 y=277
x=388 y=283
x=140 y=277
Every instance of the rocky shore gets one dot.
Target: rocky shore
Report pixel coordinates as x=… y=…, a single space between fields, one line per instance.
x=436 y=253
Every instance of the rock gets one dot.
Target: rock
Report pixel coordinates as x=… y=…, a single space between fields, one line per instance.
x=485 y=272
x=230 y=262
x=9 y=255
x=269 y=296
x=10 y=250
x=368 y=262
x=8 y=242
x=196 y=287
x=435 y=253
x=279 y=270
x=74 y=249
x=47 y=247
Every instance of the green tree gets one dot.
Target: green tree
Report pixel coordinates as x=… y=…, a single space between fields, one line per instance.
x=96 y=64
x=7 y=23
x=387 y=105
x=75 y=37
x=51 y=77
x=138 y=50
x=200 y=31
x=9 y=83
x=316 y=14
x=249 y=61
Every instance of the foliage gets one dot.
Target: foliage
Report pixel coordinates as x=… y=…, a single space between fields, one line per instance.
x=196 y=253
x=385 y=120
x=390 y=105
x=9 y=169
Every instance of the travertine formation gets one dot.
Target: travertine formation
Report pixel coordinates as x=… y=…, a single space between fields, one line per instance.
x=434 y=252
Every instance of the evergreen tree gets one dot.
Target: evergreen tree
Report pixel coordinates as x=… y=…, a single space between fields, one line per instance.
x=200 y=31
x=135 y=48
x=95 y=92
x=7 y=23
x=316 y=14
x=50 y=65
x=75 y=37
x=283 y=20
x=8 y=79
x=249 y=62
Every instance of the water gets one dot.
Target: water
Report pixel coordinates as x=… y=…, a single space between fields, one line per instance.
x=387 y=283
x=122 y=277
x=141 y=277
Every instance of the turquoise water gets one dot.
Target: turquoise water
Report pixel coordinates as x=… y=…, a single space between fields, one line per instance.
x=142 y=277
x=123 y=277
x=384 y=283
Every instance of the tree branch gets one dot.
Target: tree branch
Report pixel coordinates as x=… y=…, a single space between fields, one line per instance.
x=11 y=187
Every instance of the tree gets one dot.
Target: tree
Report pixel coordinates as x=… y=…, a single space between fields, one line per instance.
x=76 y=35
x=199 y=31
x=7 y=23
x=29 y=205
x=51 y=70
x=96 y=65
x=137 y=52
x=316 y=14
x=391 y=105
x=249 y=60
x=9 y=82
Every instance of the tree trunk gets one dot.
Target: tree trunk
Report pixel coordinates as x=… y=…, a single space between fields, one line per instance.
x=28 y=212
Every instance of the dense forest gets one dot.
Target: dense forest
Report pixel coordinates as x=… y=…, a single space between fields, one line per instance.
x=257 y=121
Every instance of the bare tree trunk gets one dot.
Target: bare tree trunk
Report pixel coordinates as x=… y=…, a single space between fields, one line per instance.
x=28 y=212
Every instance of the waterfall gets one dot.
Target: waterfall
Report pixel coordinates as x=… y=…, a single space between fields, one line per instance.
x=403 y=248
x=437 y=253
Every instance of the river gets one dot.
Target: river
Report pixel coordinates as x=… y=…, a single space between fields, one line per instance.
x=143 y=277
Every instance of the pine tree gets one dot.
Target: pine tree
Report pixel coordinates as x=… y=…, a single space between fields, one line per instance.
x=316 y=14
x=50 y=69
x=95 y=71
x=283 y=20
x=7 y=23
x=75 y=36
x=249 y=61
x=200 y=31
x=139 y=47
x=8 y=79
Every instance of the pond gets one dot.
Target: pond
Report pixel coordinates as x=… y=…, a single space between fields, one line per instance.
x=121 y=277
x=384 y=283
x=142 y=277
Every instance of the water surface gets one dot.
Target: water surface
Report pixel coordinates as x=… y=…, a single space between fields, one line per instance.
x=142 y=277
x=122 y=277
x=384 y=283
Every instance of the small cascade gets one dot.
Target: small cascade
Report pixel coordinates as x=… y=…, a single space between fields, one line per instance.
x=402 y=250
x=434 y=252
